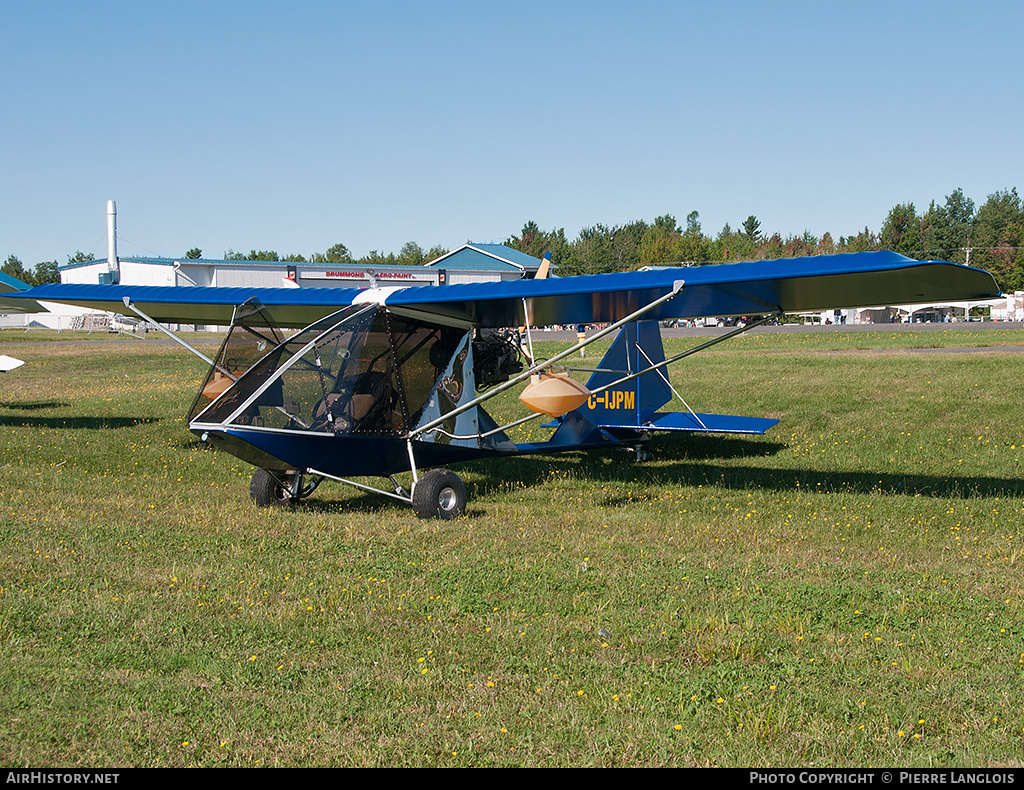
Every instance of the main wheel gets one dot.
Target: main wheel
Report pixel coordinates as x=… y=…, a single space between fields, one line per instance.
x=269 y=489
x=439 y=494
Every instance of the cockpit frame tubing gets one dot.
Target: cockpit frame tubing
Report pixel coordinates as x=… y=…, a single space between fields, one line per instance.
x=287 y=365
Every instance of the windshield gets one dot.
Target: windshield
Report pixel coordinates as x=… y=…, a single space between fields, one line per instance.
x=252 y=334
x=360 y=371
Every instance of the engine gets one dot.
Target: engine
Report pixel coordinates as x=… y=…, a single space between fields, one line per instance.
x=496 y=357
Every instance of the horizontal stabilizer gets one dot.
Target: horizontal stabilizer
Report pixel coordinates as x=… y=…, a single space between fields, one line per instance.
x=707 y=423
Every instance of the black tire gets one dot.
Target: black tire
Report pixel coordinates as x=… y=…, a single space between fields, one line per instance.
x=439 y=494
x=270 y=489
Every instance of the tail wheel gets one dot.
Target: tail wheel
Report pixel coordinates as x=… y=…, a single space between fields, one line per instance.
x=439 y=494
x=270 y=489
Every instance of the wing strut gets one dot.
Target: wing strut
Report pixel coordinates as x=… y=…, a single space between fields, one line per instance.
x=677 y=286
x=627 y=376
x=128 y=303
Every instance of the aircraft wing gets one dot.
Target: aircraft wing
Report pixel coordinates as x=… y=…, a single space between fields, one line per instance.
x=11 y=285
x=290 y=307
x=864 y=279
x=7 y=364
x=789 y=285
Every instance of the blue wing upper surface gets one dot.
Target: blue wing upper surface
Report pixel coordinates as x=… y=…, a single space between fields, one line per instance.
x=788 y=285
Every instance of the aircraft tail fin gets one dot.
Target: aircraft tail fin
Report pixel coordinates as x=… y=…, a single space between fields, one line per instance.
x=632 y=404
x=636 y=348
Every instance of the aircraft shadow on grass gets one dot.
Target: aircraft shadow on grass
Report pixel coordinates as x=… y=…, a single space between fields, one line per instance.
x=72 y=423
x=744 y=478
x=33 y=405
x=694 y=462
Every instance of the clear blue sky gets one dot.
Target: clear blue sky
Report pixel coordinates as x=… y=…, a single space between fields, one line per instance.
x=294 y=126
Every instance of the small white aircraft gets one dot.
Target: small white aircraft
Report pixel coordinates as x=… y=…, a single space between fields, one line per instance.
x=7 y=364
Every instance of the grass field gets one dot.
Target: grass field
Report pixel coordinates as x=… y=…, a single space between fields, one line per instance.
x=844 y=591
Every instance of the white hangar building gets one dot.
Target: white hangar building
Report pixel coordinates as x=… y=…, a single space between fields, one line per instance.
x=469 y=263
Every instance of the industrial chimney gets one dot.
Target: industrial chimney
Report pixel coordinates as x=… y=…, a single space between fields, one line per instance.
x=113 y=276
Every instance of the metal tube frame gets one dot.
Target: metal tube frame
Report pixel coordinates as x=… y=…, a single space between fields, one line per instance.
x=394 y=495
x=629 y=377
x=676 y=288
x=128 y=304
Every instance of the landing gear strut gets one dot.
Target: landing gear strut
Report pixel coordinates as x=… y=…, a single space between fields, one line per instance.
x=642 y=454
x=438 y=493
x=280 y=489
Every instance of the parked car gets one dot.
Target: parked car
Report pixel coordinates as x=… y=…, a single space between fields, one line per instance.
x=123 y=323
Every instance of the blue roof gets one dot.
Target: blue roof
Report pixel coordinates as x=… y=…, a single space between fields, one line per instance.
x=486 y=257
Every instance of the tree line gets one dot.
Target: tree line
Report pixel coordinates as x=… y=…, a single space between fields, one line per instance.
x=990 y=236
x=45 y=272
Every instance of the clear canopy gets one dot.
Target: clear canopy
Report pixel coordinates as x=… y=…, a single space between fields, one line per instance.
x=361 y=370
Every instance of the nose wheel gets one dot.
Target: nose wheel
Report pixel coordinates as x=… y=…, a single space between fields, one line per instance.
x=272 y=490
x=439 y=493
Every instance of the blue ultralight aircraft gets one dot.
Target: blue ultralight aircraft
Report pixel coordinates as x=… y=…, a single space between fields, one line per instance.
x=381 y=381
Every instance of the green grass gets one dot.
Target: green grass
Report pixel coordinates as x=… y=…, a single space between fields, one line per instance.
x=845 y=590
